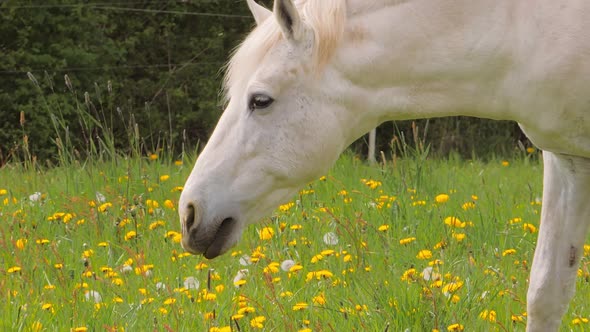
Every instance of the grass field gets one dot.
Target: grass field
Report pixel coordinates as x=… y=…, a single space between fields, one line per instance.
x=408 y=246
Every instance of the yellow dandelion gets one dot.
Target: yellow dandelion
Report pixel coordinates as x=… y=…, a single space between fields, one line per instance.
x=319 y=300
x=169 y=204
x=455 y=327
x=20 y=243
x=454 y=222
x=442 y=198
x=407 y=240
x=266 y=233
x=164 y=177
x=258 y=322
x=104 y=207
x=14 y=269
x=459 y=236
x=468 y=205
x=424 y=254
x=529 y=228
x=300 y=306
x=508 y=252
x=130 y=235
x=383 y=228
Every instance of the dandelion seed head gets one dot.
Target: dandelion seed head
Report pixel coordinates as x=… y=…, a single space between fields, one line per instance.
x=331 y=239
x=287 y=264
x=93 y=295
x=191 y=283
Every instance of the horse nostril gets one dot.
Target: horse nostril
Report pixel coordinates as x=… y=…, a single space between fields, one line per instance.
x=190 y=217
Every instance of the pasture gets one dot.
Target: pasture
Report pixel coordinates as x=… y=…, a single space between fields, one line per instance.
x=414 y=244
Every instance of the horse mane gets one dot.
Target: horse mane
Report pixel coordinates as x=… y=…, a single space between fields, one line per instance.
x=326 y=18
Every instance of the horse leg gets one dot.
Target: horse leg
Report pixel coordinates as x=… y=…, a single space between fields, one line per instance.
x=565 y=219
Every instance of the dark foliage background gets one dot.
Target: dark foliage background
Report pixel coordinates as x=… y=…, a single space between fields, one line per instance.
x=154 y=67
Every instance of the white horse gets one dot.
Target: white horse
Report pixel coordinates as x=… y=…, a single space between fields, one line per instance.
x=314 y=75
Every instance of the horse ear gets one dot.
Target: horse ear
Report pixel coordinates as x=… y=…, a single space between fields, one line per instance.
x=260 y=13
x=288 y=18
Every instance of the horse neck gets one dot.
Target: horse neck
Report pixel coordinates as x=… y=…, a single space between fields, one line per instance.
x=417 y=59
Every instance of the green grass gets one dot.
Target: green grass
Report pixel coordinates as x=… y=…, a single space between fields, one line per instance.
x=51 y=263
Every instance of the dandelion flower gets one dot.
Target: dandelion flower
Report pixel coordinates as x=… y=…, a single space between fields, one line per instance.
x=266 y=233
x=455 y=327
x=454 y=222
x=300 y=306
x=442 y=198
x=330 y=239
x=407 y=240
x=93 y=295
x=191 y=283
x=258 y=322
x=383 y=228
x=424 y=254
x=287 y=264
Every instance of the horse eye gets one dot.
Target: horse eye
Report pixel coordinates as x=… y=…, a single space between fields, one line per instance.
x=259 y=101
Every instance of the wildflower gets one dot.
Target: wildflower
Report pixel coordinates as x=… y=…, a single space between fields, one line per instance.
x=371 y=183
x=579 y=321
x=409 y=275
x=295 y=227
x=300 y=306
x=130 y=235
x=175 y=236
x=287 y=264
x=170 y=301
x=258 y=322
x=468 y=205
x=240 y=277
x=429 y=274
x=317 y=258
x=454 y=222
x=455 y=327
x=424 y=254
x=505 y=163
x=13 y=269
x=488 y=315
x=330 y=239
x=508 y=252
x=177 y=188
x=191 y=283
x=383 y=228
x=407 y=240
x=318 y=275
x=3 y=192
x=286 y=207
x=442 y=198
x=20 y=243
x=266 y=233
x=164 y=177
x=104 y=207
x=452 y=287
x=320 y=299
x=93 y=295
x=35 y=197
x=153 y=156
x=156 y=224
x=529 y=228
x=168 y=203
x=459 y=236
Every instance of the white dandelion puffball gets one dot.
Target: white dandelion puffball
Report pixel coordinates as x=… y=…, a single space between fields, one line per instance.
x=330 y=239
x=429 y=274
x=126 y=269
x=245 y=260
x=191 y=283
x=93 y=295
x=286 y=265
x=242 y=274
x=35 y=197
x=100 y=197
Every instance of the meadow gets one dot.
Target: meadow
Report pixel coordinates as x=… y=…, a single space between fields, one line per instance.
x=410 y=244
